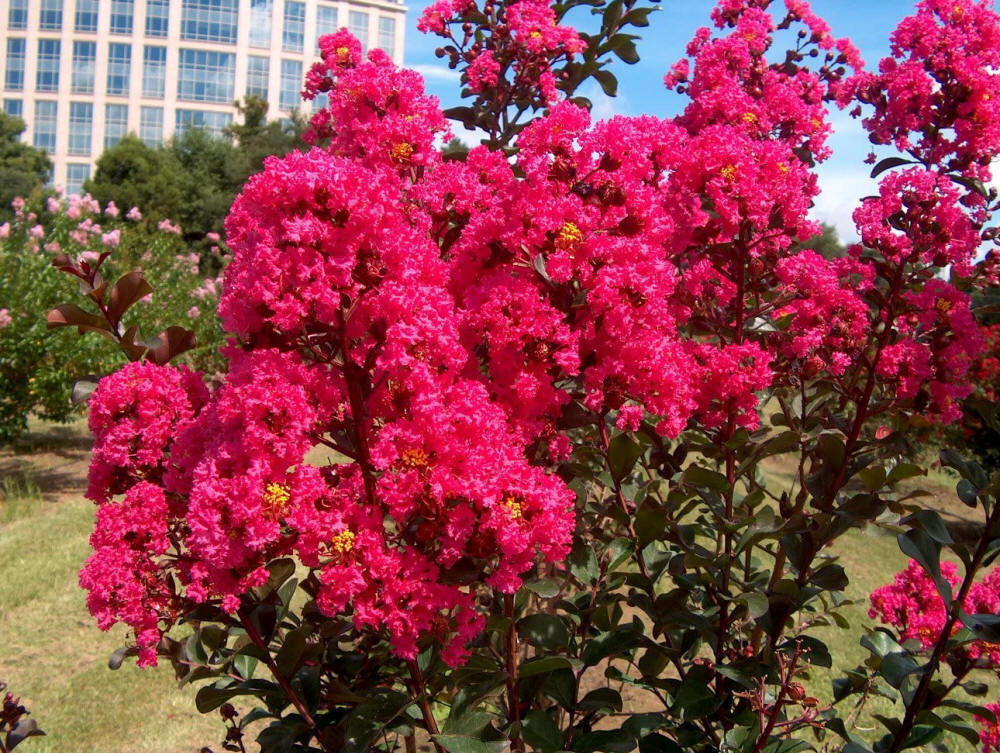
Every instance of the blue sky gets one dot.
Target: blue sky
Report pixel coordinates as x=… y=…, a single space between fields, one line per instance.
x=843 y=179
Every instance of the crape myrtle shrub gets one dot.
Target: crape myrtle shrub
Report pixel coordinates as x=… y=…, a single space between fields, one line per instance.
x=78 y=231
x=489 y=445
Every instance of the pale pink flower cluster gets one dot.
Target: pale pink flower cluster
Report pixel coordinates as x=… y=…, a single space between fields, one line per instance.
x=167 y=226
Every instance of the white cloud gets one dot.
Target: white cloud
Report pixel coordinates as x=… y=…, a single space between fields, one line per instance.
x=844 y=179
x=436 y=72
x=840 y=194
x=604 y=107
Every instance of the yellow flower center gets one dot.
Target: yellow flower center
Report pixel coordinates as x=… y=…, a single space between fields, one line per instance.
x=569 y=236
x=749 y=117
x=343 y=543
x=275 y=500
x=343 y=54
x=728 y=172
x=514 y=508
x=415 y=458
x=535 y=35
x=401 y=152
x=943 y=305
x=782 y=167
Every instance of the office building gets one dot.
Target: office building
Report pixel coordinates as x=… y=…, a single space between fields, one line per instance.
x=83 y=73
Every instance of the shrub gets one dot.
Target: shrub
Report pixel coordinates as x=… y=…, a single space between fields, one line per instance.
x=35 y=362
x=489 y=445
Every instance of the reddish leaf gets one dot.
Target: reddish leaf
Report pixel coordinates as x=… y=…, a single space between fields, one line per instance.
x=71 y=315
x=129 y=289
x=172 y=342
x=64 y=263
x=96 y=290
x=133 y=350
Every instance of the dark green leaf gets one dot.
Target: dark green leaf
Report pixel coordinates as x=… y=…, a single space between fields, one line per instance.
x=699 y=476
x=657 y=743
x=612 y=741
x=543 y=630
x=887 y=164
x=544 y=587
x=623 y=452
x=921 y=547
x=368 y=720
x=466 y=744
x=534 y=667
x=541 y=732
x=601 y=699
x=650 y=523
x=967 y=492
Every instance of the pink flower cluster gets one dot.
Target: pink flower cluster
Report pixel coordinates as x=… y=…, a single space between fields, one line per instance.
x=518 y=48
x=912 y=604
x=938 y=96
x=443 y=328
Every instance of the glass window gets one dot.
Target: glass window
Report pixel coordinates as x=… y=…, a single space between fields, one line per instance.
x=17 y=16
x=50 y=15
x=76 y=176
x=115 y=124
x=213 y=122
x=122 y=12
x=86 y=15
x=294 y=33
x=151 y=125
x=45 y=124
x=157 y=18
x=258 y=69
x=84 y=58
x=81 y=126
x=14 y=70
x=119 y=66
x=261 y=12
x=14 y=107
x=154 y=71
x=209 y=20
x=387 y=35
x=291 y=84
x=320 y=101
x=326 y=21
x=206 y=76
x=357 y=24
x=47 y=79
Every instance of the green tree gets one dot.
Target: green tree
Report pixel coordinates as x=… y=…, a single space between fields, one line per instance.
x=259 y=138
x=132 y=174
x=827 y=243
x=210 y=176
x=23 y=168
x=455 y=149
x=194 y=178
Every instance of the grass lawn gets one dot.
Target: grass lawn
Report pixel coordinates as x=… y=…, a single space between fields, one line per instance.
x=54 y=657
x=51 y=653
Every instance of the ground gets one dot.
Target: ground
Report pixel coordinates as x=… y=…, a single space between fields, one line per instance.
x=51 y=652
x=55 y=658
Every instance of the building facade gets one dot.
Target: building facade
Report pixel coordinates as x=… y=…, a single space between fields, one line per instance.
x=83 y=73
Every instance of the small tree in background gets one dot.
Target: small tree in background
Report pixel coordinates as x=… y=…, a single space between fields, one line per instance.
x=23 y=169
x=132 y=174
